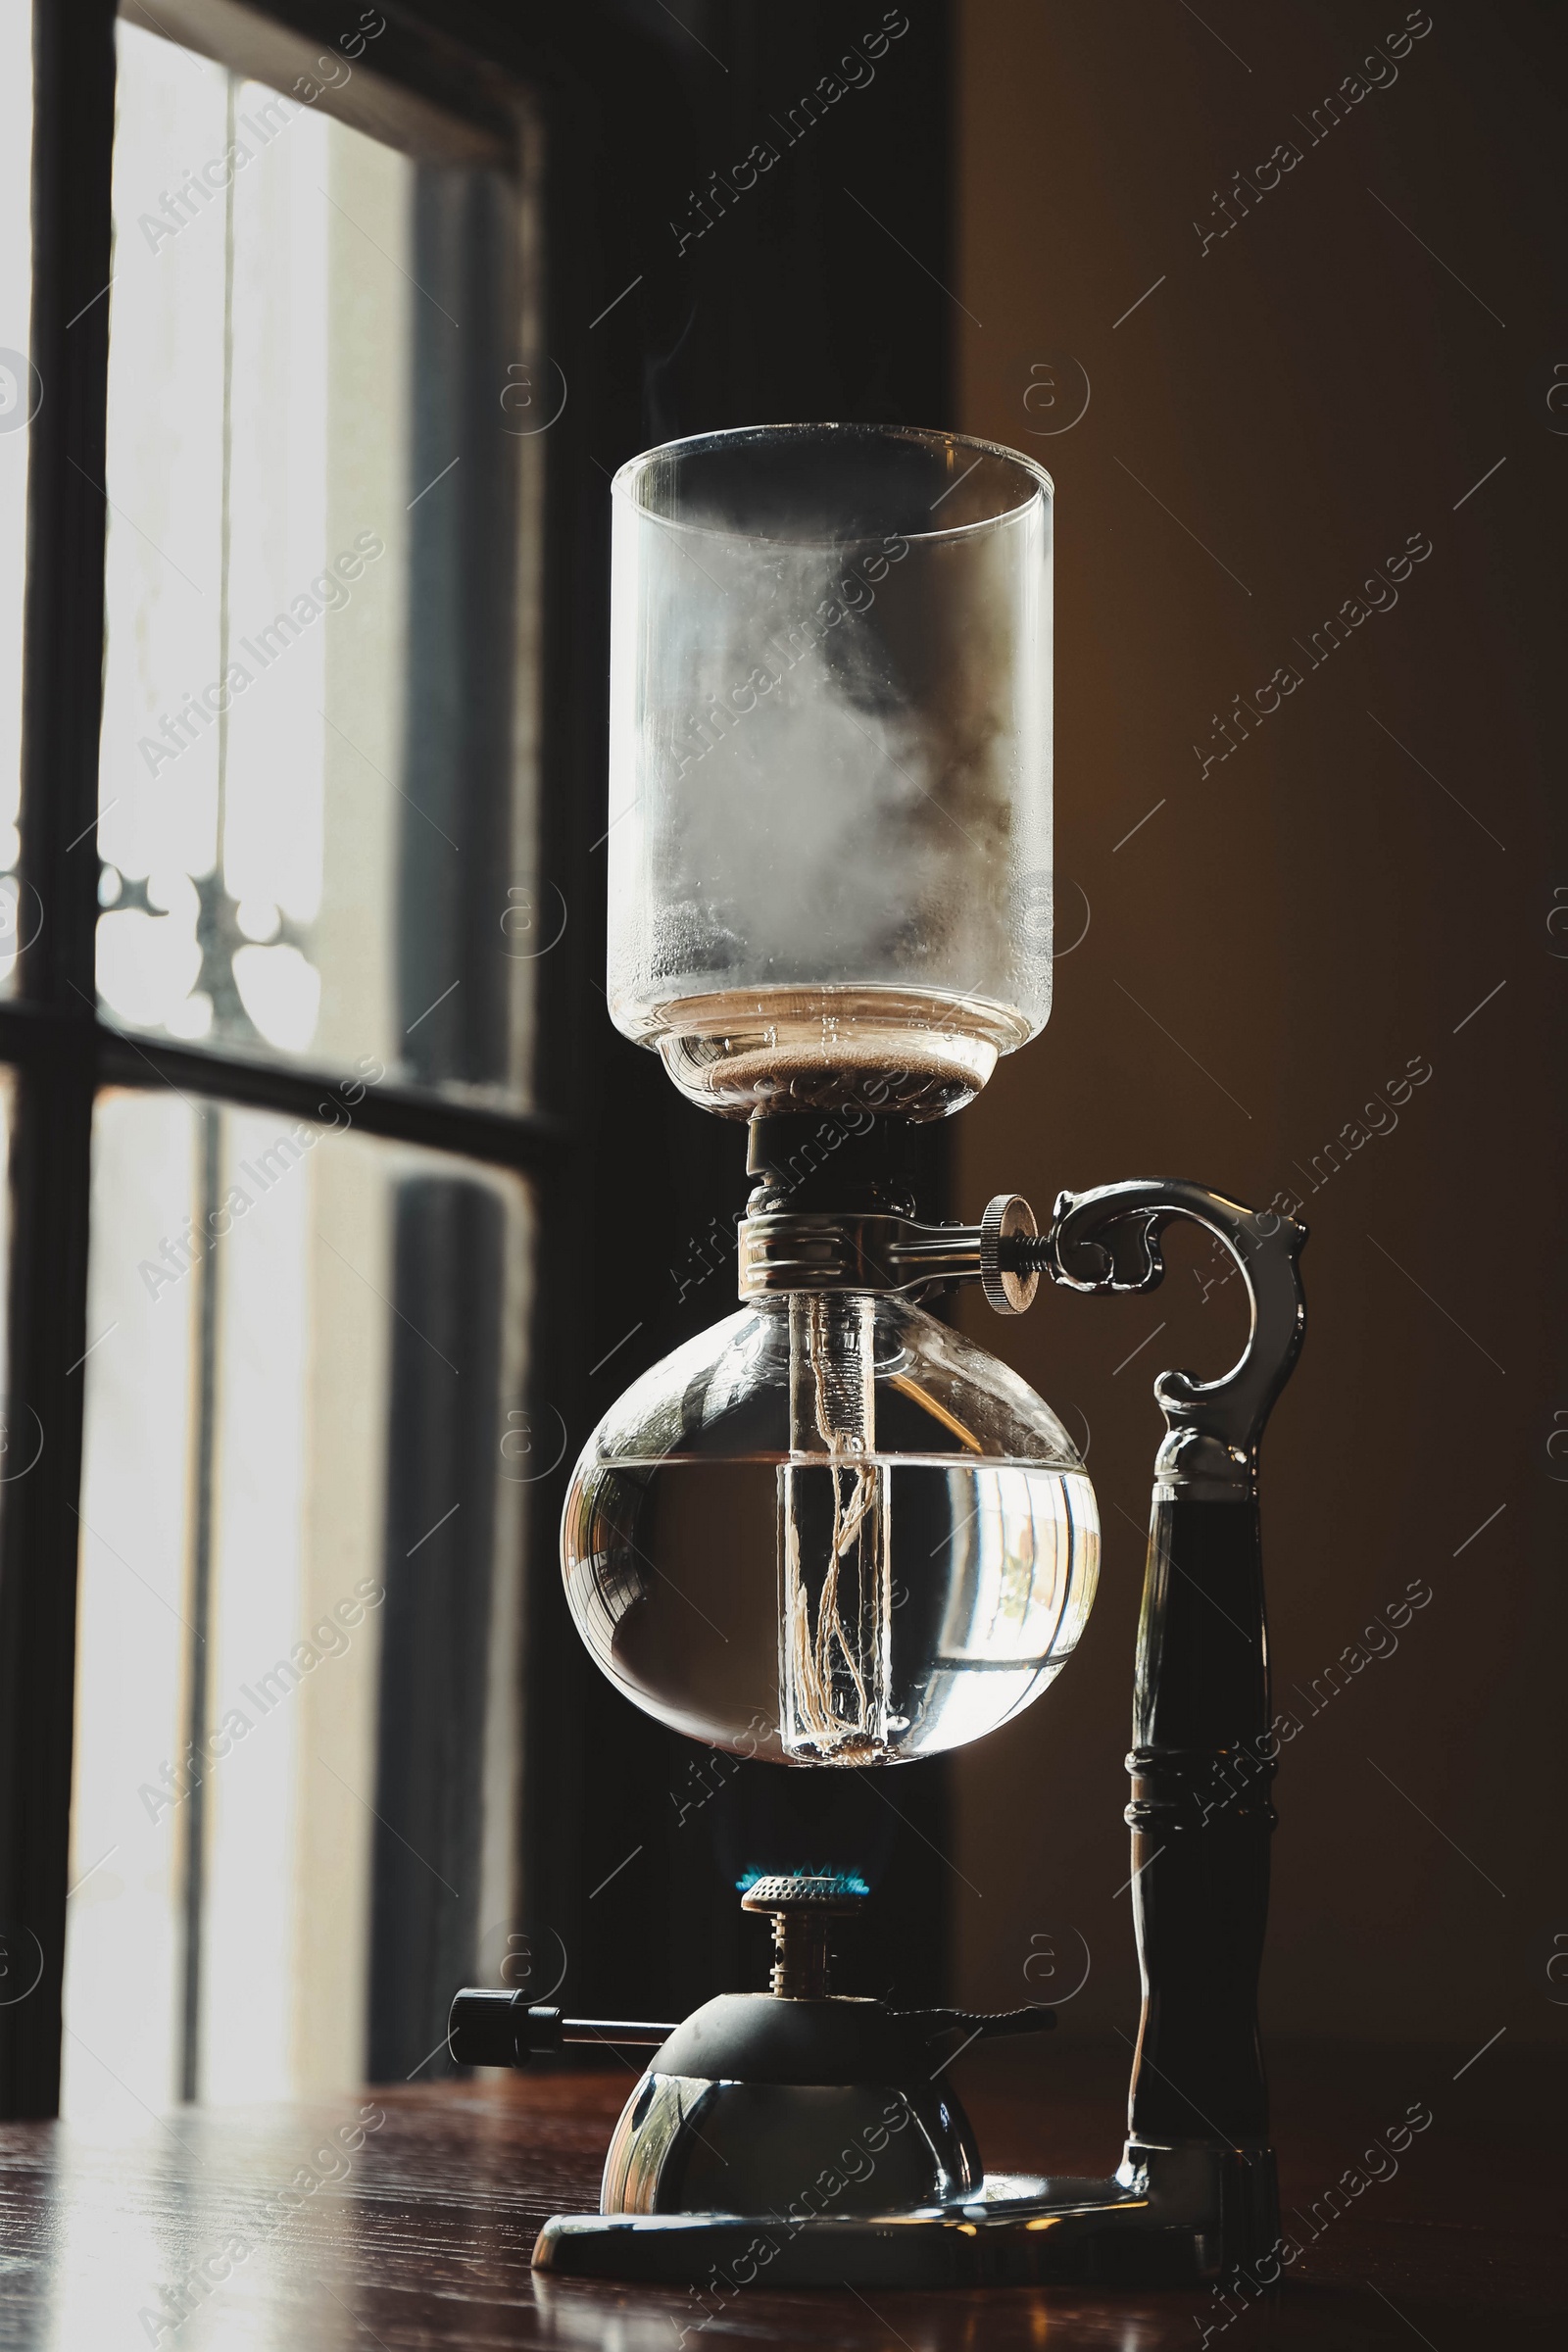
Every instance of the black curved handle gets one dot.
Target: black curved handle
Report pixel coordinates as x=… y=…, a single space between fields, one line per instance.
x=1201 y=1760
x=1200 y=1815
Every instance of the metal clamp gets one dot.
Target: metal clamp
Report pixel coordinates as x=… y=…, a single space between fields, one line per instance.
x=891 y=1257
x=801 y=1250
x=1106 y=1240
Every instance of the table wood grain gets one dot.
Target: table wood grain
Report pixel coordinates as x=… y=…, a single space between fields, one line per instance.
x=404 y=2218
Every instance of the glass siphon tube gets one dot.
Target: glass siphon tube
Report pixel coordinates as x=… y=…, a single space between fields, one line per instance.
x=835 y=1528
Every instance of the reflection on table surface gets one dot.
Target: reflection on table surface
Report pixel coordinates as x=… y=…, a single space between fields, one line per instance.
x=406 y=2215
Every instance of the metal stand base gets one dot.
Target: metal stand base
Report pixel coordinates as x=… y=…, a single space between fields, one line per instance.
x=1170 y=2217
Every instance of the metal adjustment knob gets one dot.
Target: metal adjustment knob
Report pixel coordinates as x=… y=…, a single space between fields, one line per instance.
x=1008 y=1218
x=801 y=1908
x=499 y=2028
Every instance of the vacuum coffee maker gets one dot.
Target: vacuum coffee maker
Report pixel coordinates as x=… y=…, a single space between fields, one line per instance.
x=832 y=1530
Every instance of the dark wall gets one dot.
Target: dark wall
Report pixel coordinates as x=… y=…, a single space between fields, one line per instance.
x=1279 y=939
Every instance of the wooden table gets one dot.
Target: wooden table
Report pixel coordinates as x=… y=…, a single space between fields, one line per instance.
x=315 y=2232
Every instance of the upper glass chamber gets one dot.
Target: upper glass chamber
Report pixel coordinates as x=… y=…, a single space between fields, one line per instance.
x=830 y=765
x=831 y=1530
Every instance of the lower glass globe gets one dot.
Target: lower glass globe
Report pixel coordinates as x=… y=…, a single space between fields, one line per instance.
x=830 y=1530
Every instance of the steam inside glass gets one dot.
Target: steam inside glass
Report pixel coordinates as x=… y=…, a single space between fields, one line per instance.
x=831 y=801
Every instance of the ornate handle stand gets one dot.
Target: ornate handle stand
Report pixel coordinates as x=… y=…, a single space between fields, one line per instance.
x=1203 y=1758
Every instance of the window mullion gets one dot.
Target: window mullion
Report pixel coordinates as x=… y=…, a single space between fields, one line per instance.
x=73 y=63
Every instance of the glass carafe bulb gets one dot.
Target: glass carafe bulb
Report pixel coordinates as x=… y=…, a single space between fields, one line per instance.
x=830 y=1530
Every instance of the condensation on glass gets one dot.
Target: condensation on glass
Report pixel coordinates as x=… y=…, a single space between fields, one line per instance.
x=830 y=765
x=831 y=1530
x=305 y=1474
x=317 y=786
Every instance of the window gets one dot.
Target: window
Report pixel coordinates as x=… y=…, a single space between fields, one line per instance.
x=300 y=1597
x=337 y=1212
x=302 y=1513
x=316 y=773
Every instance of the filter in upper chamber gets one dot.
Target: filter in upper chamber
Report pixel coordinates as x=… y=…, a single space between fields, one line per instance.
x=905 y=1054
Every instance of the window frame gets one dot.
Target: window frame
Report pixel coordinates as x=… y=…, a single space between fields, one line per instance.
x=54 y=1039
